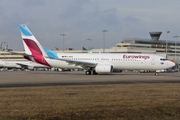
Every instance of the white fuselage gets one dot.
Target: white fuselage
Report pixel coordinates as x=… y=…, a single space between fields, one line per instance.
x=121 y=61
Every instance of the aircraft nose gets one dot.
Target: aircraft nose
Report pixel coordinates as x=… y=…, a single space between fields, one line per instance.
x=172 y=64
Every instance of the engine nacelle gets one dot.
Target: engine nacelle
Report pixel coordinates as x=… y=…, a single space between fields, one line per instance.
x=104 y=68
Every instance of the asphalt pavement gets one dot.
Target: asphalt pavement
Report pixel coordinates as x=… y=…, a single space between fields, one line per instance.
x=54 y=78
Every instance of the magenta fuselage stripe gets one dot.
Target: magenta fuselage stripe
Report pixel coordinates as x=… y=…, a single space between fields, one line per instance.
x=36 y=52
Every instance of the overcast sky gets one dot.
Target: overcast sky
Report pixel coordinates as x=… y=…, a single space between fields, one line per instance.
x=83 y=19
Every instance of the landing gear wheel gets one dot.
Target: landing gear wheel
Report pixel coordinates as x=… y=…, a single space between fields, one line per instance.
x=88 y=72
x=156 y=74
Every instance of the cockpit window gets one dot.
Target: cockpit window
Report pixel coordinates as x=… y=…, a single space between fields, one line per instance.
x=163 y=59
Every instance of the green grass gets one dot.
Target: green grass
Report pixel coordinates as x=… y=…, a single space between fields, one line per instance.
x=121 y=101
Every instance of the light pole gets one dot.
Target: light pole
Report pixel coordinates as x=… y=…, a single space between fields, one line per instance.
x=89 y=43
x=166 y=42
x=63 y=40
x=175 y=46
x=104 y=40
x=5 y=47
x=1 y=45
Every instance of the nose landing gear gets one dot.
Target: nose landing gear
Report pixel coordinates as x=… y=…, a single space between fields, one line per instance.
x=88 y=72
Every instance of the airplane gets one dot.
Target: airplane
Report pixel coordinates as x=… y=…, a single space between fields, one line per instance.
x=21 y=64
x=92 y=63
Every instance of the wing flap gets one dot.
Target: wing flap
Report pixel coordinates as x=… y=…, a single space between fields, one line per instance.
x=22 y=65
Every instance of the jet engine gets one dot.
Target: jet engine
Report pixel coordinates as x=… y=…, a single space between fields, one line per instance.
x=104 y=68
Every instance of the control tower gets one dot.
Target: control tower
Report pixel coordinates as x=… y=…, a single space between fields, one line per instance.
x=155 y=35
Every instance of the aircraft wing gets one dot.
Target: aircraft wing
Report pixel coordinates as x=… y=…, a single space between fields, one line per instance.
x=23 y=65
x=83 y=64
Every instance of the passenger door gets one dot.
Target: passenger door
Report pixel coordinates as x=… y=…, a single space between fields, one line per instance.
x=152 y=61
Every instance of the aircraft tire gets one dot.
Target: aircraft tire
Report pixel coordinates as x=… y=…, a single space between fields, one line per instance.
x=88 y=72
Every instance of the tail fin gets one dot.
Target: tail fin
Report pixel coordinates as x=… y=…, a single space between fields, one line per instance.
x=32 y=46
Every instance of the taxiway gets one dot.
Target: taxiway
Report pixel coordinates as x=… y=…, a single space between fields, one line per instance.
x=52 y=78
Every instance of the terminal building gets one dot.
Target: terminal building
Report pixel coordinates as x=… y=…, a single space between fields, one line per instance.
x=167 y=48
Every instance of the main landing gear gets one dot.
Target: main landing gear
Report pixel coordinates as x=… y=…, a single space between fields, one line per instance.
x=88 y=72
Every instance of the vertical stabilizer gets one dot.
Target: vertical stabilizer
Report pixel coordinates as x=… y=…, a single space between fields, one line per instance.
x=32 y=46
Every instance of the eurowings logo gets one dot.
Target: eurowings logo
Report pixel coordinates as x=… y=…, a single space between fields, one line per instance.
x=162 y=63
x=136 y=56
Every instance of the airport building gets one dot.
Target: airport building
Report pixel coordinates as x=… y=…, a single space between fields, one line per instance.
x=165 y=48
